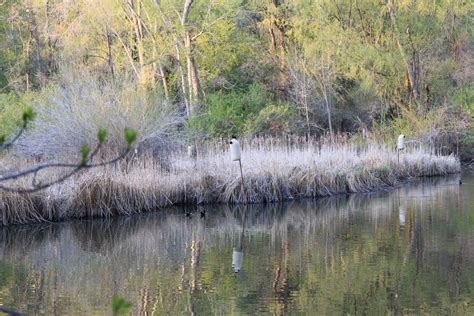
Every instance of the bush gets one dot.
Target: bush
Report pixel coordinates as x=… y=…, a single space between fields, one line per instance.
x=78 y=104
x=228 y=113
x=276 y=119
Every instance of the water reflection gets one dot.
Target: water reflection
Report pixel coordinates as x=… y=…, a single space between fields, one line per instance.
x=407 y=251
x=238 y=252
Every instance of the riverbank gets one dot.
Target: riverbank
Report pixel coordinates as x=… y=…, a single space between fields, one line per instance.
x=271 y=174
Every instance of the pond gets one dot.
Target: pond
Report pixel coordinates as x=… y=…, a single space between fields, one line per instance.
x=410 y=250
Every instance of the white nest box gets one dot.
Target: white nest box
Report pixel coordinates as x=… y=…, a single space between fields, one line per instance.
x=401 y=142
x=235 y=152
x=192 y=153
x=237 y=258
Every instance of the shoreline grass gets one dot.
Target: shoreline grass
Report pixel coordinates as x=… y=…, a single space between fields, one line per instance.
x=272 y=174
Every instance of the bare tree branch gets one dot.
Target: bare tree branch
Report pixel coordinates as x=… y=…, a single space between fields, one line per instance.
x=17 y=136
x=40 y=186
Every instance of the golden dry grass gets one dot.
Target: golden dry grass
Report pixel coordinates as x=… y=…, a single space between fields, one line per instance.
x=272 y=173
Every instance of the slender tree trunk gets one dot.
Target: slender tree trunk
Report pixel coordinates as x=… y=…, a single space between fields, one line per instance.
x=305 y=103
x=187 y=46
x=328 y=111
x=164 y=82
x=48 y=36
x=34 y=34
x=183 y=81
x=135 y=9
x=409 y=69
x=110 y=61
x=195 y=83
x=193 y=77
x=28 y=57
x=282 y=78
x=272 y=47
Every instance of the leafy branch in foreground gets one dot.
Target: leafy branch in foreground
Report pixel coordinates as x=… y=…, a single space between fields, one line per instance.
x=85 y=163
x=28 y=116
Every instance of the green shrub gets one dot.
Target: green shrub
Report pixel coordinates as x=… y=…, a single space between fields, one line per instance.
x=227 y=113
x=275 y=119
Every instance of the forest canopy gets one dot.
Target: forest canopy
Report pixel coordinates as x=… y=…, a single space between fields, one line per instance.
x=272 y=67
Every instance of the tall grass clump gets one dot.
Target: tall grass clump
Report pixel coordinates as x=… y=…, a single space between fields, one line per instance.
x=273 y=170
x=79 y=103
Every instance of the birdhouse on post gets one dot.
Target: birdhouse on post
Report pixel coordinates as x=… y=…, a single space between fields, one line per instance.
x=401 y=142
x=400 y=145
x=236 y=155
x=190 y=151
x=235 y=151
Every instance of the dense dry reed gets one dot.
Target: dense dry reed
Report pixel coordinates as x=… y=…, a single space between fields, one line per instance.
x=272 y=173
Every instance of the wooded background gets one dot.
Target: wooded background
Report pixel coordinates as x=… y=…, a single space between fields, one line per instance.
x=378 y=67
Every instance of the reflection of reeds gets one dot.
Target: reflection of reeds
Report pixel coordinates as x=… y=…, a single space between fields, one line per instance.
x=102 y=236
x=153 y=259
x=27 y=238
x=170 y=233
x=274 y=173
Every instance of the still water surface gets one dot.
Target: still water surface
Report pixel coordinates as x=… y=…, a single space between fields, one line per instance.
x=410 y=250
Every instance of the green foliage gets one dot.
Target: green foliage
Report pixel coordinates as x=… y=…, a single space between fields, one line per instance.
x=85 y=151
x=120 y=306
x=101 y=136
x=231 y=50
x=228 y=113
x=130 y=136
x=341 y=61
x=274 y=118
x=28 y=115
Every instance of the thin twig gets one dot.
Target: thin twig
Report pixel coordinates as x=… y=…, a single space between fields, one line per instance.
x=8 y=144
x=37 y=186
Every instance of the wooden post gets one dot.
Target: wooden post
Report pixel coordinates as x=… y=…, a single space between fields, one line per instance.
x=241 y=176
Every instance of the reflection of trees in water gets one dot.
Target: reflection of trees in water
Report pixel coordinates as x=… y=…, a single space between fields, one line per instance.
x=352 y=247
x=164 y=229
x=16 y=241
x=102 y=236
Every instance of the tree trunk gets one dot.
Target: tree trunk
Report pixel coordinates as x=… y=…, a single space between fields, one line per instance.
x=193 y=78
x=272 y=46
x=135 y=9
x=409 y=69
x=48 y=37
x=183 y=81
x=305 y=102
x=34 y=34
x=328 y=111
x=164 y=82
x=109 y=52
